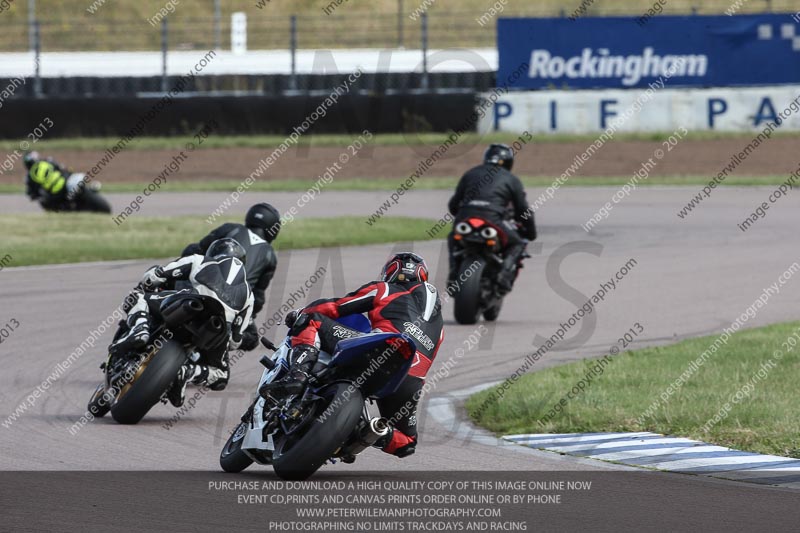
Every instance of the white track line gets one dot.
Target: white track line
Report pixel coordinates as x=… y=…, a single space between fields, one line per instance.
x=622 y=444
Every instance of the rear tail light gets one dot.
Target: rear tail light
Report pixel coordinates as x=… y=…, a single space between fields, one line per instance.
x=463 y=228
x=488 y=232
x=401 y=346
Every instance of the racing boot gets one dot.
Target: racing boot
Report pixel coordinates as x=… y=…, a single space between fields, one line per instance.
x=302 y=360
x=512 y=262
x=135 y=338
x=177 y=392
x=212 y=377
x=396 y=443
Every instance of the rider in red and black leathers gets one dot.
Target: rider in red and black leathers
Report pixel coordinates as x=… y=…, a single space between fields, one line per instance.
x=403 y=302
x=492 y=192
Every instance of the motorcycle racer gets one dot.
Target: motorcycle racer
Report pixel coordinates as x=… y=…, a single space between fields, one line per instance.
x=261 y=227
x=492 y=192
x=220 y=273
x=402 y=301
x=45 y=180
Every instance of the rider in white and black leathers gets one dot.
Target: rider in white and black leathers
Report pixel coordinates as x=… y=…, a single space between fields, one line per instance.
x=220 y=273
x=261 y=226
x=492 y=192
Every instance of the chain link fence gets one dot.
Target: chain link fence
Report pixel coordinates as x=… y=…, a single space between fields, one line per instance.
x=343 y=28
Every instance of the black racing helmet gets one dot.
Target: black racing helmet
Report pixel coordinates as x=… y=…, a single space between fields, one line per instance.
x=224 y=249
x=265 y=217
x=405 y=267
x=31 y=158
x=499 y=154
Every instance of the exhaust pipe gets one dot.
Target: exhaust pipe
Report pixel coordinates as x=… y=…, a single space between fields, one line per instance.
x=378 y=427
x=369 y=434
x=194 y=305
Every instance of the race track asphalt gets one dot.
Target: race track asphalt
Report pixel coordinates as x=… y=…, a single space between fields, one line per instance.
x=691 y=277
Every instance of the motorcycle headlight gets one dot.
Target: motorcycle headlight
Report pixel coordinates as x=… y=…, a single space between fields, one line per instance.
x=488 y=232
x=463 y=228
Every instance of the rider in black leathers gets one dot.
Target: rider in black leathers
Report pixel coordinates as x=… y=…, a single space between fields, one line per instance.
x=261 y=227
x=492 y=192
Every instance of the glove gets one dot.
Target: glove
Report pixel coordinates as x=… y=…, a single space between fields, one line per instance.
x=291 y=317
x=527 y=228
x=299 y=322
x=153 y=278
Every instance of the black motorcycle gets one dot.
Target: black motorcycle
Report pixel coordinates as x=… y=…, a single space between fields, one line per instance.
x=81 y=197
x=479 y=251
x=188 y=325
x=297 y=433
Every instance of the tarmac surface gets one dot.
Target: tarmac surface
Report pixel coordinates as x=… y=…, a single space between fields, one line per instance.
x=690 y=277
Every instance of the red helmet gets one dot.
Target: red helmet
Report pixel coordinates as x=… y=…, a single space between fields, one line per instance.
x=404 y=267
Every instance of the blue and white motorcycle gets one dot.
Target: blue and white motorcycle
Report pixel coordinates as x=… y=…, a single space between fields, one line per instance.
x=329 y=419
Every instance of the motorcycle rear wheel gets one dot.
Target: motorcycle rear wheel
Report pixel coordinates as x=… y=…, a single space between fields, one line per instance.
x=467 y=304
x=152 y=380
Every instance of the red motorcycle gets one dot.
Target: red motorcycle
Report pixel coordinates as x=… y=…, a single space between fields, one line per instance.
x=479 y=250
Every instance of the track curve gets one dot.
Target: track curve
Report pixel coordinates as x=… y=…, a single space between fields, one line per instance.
x=692 y=277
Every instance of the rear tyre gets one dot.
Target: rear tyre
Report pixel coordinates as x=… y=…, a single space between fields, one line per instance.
x=232 y=459
x=150 y=384
x=467 y=305
x=94 y=203
x=297 y=459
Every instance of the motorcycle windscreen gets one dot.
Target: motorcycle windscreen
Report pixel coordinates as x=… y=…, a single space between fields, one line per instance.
x=379 y=361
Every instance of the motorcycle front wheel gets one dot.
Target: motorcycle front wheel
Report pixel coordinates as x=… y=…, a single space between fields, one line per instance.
x=92 y=202
x=232 y=459
x=298 y=455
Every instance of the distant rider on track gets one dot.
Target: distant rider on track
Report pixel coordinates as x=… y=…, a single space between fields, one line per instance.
x=492 y=192
x=45 y=181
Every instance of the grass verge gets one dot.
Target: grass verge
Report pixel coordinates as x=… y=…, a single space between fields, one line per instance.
x=428 y=183
x=764 y=419
x=70 y=238
x=178 y=142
